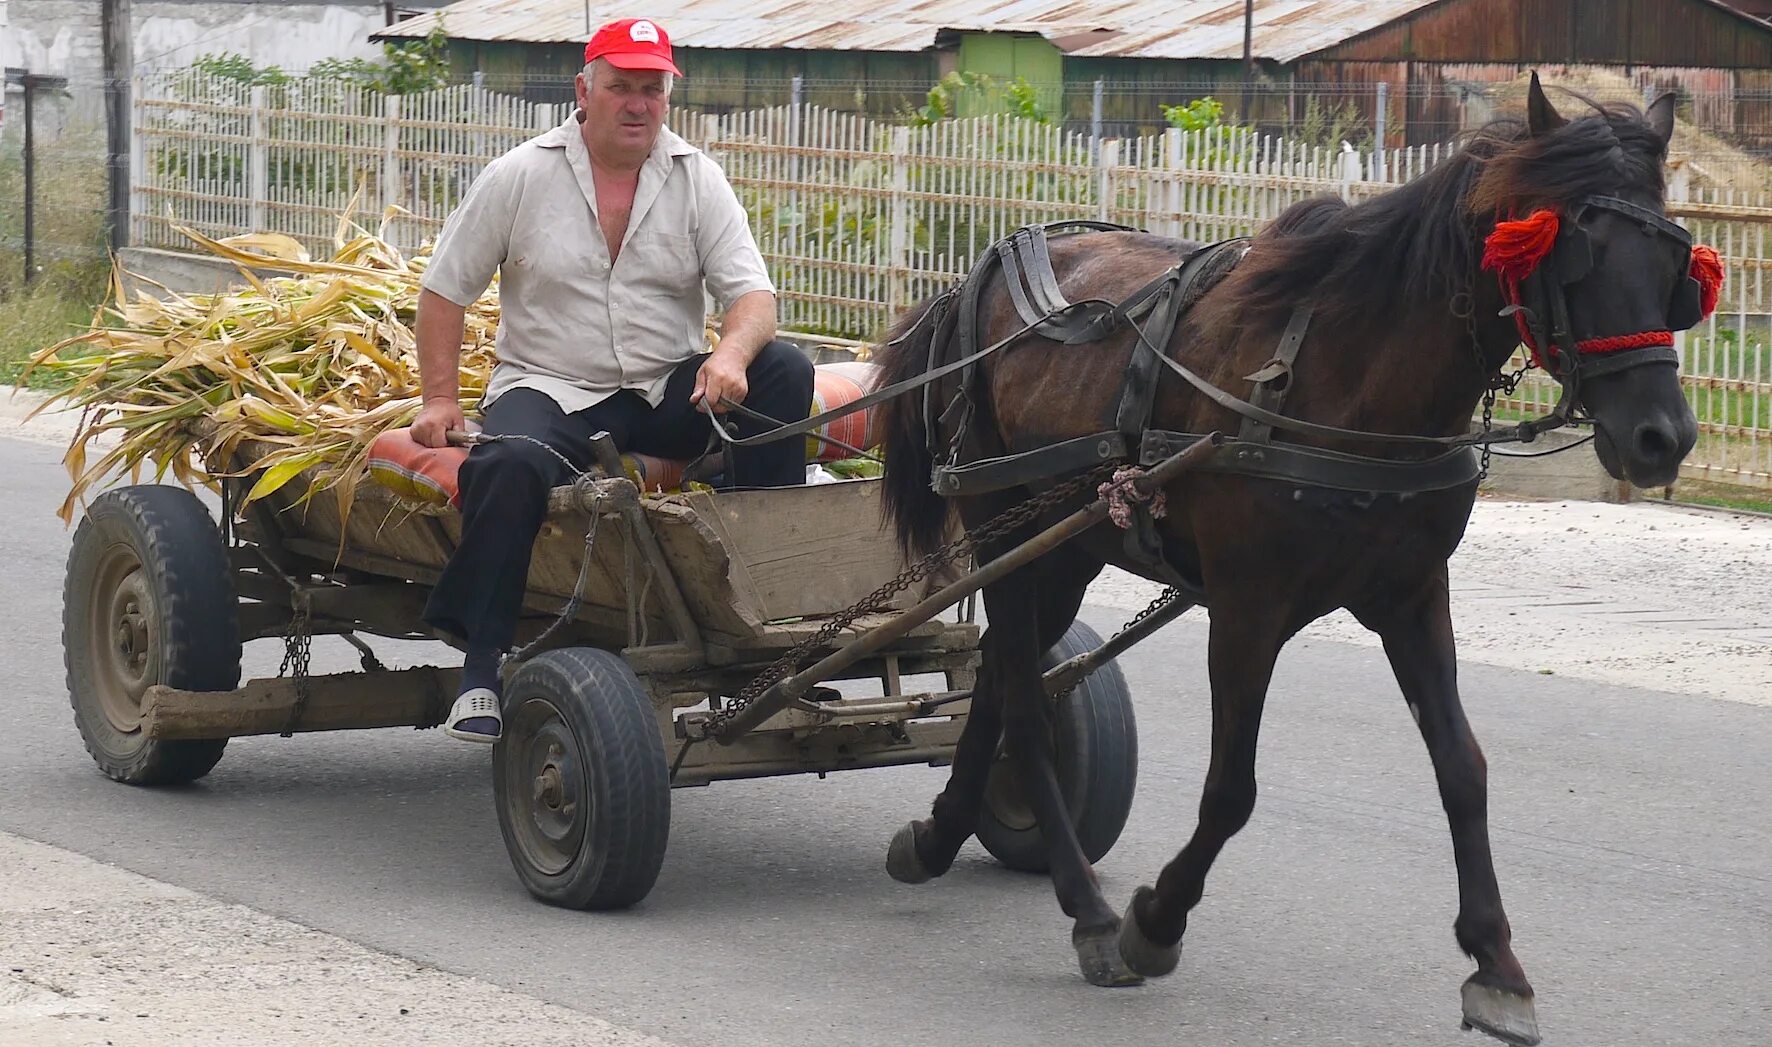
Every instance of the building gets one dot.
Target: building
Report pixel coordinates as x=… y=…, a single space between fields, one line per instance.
x=881 y=57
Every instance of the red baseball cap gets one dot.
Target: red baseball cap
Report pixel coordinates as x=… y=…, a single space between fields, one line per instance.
x=633 y=43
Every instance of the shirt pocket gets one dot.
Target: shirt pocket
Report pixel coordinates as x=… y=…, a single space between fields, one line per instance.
x=668 y=260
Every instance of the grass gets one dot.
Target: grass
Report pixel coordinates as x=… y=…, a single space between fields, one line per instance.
x=59 y=303
x=1723 y=496
x=71 y=259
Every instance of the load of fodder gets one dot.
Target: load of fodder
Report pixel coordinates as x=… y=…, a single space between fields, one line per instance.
x=315 y=364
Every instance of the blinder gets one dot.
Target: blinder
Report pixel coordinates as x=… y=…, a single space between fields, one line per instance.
x=1575 y=254
x=1686 y=308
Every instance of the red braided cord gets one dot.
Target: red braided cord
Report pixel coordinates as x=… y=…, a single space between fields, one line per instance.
x=1620 y=342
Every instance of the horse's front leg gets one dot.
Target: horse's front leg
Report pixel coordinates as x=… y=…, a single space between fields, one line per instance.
x=1243 y=644
x=1417 y=634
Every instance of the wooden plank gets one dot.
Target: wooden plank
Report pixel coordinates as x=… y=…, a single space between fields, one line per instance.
x=416 y=697
x=803 y=551
x=839 y=747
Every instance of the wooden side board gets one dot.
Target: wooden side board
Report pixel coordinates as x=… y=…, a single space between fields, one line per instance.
x=752 y=565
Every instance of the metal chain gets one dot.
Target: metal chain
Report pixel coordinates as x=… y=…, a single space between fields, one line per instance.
x=1164 y=599
x=1017 y=516
x=1488 y=425
x=1463 y=306
x=297 y=644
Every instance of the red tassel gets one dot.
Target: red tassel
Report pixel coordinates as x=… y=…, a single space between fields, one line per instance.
x=1515 y=248
x=1707 y=269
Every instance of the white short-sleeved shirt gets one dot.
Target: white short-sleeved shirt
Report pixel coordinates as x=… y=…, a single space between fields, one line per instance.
x=571 y=325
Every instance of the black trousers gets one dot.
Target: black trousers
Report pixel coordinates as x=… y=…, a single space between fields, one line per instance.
x=504 y=485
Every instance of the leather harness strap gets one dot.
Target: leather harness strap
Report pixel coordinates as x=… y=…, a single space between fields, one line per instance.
x=1274 y=379
x=1153 y=313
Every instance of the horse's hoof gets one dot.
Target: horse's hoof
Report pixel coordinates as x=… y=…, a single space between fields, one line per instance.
x=1142 y=955
x=1098 y=957
x=1507 y=1016
x=902 y=862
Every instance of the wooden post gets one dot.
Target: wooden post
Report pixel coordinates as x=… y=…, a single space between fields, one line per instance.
x=898 y=264
x=1172 y=183
x=138 y=170
x=390 y=160
x=1104 y=179
x=258 y=171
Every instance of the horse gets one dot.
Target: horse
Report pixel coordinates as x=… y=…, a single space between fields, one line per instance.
x=1543 y=229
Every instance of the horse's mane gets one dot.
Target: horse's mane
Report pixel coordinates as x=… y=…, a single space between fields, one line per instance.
x=1358 y=264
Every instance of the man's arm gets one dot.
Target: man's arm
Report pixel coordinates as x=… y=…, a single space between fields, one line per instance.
x=735 y=274
x=440 y=324
x=469 y=251
x=749 y=325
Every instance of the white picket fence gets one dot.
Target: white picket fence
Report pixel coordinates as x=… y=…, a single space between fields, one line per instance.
x=859 y=218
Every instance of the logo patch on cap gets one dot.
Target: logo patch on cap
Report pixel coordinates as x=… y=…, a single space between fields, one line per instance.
x=643 y=32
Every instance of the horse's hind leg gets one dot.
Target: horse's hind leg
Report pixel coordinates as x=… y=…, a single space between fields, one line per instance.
x=1417 y=634
x=927 y=848
x=1241 y=651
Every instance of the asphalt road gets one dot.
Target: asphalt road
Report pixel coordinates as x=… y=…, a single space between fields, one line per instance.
x=1631 y=831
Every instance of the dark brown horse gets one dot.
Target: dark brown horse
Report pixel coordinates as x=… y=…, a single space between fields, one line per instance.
x=1407 y=331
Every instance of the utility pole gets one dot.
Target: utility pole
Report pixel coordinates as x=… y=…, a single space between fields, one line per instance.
x=116 y=27
x=1248 y=55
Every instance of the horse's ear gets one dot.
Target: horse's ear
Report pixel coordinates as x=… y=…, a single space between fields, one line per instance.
x=1541 y=117
x=1661 y=116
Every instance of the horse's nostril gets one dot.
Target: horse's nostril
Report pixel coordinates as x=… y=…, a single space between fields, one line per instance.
x=1655 y=443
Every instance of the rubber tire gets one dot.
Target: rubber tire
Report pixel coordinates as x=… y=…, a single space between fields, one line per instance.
x=611 y=718
x=195 y=629
x=1096 y=746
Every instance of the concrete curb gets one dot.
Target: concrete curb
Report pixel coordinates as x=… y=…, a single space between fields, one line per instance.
x=95 y=955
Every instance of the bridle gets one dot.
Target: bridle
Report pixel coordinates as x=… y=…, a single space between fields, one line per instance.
x=1537 y=258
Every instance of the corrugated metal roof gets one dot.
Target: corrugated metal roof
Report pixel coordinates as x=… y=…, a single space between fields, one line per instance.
x=1284 y=30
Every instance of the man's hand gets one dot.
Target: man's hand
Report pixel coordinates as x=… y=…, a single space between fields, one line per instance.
x=439 y=415
x=722 y=376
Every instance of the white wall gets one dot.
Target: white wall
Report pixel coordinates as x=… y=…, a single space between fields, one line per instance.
x=61 y=37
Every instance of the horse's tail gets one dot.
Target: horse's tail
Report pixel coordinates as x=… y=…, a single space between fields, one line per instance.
x=916 y=512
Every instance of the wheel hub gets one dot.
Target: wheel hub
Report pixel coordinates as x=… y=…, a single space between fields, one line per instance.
x=1005 y=796
x=547 y=772
x=122 y=644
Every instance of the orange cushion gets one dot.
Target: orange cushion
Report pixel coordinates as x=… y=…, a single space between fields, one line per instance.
x=412 y=470
x=431 y=474
x=834 y=385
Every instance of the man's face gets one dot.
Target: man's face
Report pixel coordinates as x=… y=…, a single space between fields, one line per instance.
x=623 y=108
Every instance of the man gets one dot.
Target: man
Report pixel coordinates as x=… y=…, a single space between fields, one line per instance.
x=604 y=232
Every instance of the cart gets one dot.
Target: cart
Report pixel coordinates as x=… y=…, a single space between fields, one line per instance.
x=653 y=642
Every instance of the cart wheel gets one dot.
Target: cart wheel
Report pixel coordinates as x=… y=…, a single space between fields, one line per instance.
x=149 y=599
x=1097 y=755
x=579 y=775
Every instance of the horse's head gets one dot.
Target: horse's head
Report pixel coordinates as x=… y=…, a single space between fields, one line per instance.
x=1597 y=278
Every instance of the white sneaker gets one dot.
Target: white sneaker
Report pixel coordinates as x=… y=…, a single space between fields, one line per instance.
x=474 y=717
